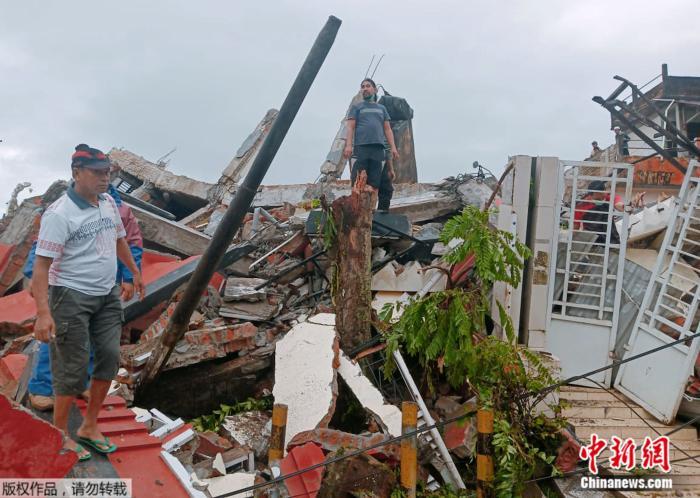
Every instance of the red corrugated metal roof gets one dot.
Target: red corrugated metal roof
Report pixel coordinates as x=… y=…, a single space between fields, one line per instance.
x=138 y=453
x=30 y=447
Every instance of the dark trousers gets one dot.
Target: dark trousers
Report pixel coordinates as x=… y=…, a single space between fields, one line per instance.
x=385 y=187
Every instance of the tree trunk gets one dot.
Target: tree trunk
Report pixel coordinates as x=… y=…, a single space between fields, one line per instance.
x=353 y=258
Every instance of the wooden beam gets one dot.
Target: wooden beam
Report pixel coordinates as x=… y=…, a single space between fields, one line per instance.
x=169 y=234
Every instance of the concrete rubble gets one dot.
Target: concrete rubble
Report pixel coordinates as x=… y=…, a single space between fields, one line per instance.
x=305 y=374
x=265 y=328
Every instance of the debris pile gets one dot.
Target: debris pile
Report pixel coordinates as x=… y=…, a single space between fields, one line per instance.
x=265 y=327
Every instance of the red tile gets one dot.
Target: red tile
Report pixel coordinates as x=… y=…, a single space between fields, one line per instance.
x=308 y=483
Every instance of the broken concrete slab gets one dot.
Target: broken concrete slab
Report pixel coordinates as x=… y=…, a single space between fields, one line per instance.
x=334 y=165
x=244 y=289
x=408 y=278
x=260 y=311
x=386 y=415
x=162 y=179
x=249 y=429
x=224 y=485
x=171 y=235
x=474 y=193
x=650 y=220
x=240 y=164
x=20 y=233
x=305 y=374
x=382 y=298
x=218 y=467
x=426 y=206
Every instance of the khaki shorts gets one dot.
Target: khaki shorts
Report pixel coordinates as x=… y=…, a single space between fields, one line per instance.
x=84 y=323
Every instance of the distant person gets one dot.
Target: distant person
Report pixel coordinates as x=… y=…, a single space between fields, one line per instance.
x=596 y=152
x=621 y=142
x=368 y=130
x=81 y=237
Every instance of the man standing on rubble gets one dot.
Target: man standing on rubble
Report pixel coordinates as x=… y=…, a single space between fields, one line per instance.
x=368 y=130
x=78 y=303
x=40 y=389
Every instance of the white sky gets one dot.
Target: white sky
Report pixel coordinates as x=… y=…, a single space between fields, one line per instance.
x=486 y=79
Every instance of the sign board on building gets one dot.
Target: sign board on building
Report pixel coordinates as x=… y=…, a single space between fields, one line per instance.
x=657 y=172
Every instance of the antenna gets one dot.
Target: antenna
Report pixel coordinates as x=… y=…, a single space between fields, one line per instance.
x=370 y=65
x=375 y=67
x=161 y=160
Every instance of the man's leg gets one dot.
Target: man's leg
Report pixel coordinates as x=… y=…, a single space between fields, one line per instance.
x=105 y=332
x=386 y=189
x=69 y=351
x=353 y=171
x=40 y=390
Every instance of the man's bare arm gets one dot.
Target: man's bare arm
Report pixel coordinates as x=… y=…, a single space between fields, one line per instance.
x=125 y=256
x=390 y=138
x=347 y=152
x=44 y=328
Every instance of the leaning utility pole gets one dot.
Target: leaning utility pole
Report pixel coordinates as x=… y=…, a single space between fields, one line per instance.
x=241 y=202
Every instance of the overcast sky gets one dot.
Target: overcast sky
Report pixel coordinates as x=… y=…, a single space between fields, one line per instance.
x=486 y=79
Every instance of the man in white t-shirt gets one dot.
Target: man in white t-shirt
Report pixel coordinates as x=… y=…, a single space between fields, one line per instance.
x=77 y=300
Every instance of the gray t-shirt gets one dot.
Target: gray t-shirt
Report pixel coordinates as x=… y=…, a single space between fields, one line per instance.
x=82 y=240
x=369 y=122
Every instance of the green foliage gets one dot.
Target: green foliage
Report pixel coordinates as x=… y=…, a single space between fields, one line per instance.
x=213 y=421
x=329 y=230
x=438 y=330
x=443 y=492
x=504 y=376
x=498 y=254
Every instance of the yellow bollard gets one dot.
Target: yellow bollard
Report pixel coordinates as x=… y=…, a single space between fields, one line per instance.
x=409 y=448
x=279 y=428
x=484 y=454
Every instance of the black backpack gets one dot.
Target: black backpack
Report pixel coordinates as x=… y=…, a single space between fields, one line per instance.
x=398 y=108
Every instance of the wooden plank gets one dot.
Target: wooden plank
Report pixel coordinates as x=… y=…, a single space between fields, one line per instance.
x=169 y=234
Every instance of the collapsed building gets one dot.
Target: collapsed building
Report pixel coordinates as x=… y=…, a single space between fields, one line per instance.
x=593 y=293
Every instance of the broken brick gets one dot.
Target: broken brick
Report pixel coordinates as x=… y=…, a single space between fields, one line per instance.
x=332 y=440
x=210 y=443
x=11 y=368
x=221 y=335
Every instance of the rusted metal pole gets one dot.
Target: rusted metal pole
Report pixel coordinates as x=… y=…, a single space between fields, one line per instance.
x=484 y=454
x=242 y=200
x=409 y=448
x=277 y=435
